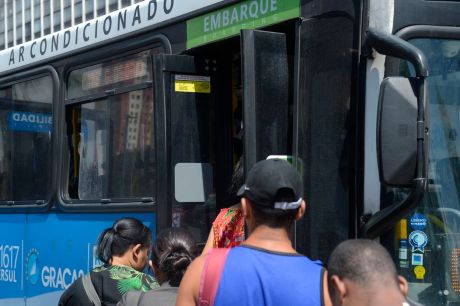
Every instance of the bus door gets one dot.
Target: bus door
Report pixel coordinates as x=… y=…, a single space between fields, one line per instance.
x=265 y=82
x=195 y=125
x=186 y=161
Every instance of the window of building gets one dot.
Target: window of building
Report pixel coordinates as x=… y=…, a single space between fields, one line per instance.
x=37 y=21
x=67 y=14
x=100 y=7
x=78 y=12
x=89 y=9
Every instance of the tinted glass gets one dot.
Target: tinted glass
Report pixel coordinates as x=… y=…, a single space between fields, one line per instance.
x=26 y=117
x=193 y=157
x=111 y=139
x=325 y=135
x=426 y=244
x=94 y=79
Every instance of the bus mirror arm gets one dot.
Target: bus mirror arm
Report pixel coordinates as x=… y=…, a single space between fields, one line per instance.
x=392 y=45
x=384 y=219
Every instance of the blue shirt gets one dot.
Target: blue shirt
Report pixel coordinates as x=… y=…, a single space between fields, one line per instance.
x=254 y=277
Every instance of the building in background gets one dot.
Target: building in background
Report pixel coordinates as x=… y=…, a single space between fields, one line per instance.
x=25 y=20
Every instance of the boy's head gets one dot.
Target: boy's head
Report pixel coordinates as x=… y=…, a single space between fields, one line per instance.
x=360 y=269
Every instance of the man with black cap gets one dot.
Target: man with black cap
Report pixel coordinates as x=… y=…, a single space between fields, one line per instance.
x=265 y=269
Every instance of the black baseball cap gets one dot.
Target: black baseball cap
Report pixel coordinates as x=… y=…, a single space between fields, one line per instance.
x=264 y=181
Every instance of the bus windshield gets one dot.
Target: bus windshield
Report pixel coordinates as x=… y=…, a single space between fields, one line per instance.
x=429 y=238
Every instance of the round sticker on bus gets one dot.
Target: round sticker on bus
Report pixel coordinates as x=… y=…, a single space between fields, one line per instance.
x=418 y=240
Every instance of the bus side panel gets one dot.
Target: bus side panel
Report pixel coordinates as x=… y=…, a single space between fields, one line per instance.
x=45 y=253
x=12 y=229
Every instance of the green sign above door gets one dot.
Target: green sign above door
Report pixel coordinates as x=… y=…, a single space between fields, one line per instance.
x=229 y=21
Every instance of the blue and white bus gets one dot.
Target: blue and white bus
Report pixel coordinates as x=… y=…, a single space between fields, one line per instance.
x=143 y=112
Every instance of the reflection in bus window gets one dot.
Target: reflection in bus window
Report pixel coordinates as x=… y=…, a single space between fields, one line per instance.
x=112 y=147
x=133 y=70
x=111 y=140
x=25 y=140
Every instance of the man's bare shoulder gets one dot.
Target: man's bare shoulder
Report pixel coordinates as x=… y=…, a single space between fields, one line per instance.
x=197 y=265
x=189 y=288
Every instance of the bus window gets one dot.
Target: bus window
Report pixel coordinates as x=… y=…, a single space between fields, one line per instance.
x=111 y=138
x=25 y=140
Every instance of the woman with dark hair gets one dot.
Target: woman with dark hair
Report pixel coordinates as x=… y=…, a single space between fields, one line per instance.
x=173 y=251
x=124 y=250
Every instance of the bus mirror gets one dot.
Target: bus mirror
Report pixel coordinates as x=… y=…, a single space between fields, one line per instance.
x=397 y=131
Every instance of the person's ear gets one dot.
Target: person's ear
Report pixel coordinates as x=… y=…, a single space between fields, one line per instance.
x=137 y=249
x=245 y=208
x=338 y=290
x=151 y=264
x=403 y=285
x=301 y=210
x=248 y=214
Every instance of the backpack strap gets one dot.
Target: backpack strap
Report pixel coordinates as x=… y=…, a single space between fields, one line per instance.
x=210 y=277
x=131 y=298
x=141 y=297
x=90 y=290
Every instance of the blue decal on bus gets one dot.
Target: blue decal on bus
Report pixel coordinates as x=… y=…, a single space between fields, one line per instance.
x=418 y=221
x=30 y=122
x=42 y=254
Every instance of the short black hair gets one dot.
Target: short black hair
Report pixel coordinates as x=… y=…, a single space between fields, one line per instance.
x=276 y=218
x=362 y=261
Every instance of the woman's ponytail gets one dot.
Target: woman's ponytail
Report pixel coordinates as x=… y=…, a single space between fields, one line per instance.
x=116 y=240
x=104 y=247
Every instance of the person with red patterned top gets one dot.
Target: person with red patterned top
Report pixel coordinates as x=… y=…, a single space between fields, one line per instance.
x=228 y=228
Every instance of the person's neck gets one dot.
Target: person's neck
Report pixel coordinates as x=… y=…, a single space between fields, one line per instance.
x=160 y=275
x=387 y=298
x=120 y=261
x=272 y=239
x=377 y=297
x=236 y=206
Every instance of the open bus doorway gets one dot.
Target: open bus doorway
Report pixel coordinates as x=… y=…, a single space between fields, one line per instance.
x=224 y=100
x=228 y=102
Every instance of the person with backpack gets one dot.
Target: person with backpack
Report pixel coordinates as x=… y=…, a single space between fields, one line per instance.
x=265 y=269
x=124 y=250
x=173 y=251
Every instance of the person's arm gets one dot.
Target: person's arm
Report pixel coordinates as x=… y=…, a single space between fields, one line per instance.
x=326 y=297
x=209 y=243
x=189 y=288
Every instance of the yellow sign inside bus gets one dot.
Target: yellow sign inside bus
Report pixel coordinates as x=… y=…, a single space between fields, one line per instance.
x=192 y=83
